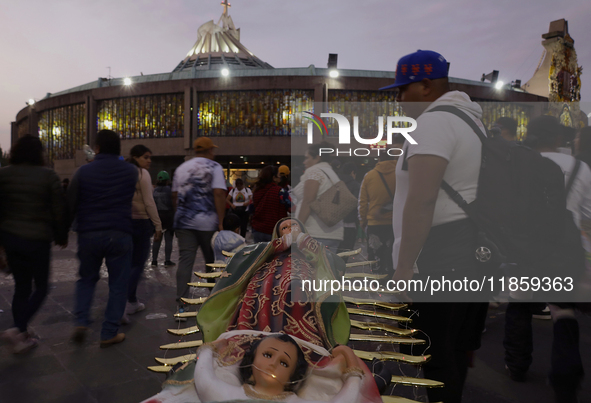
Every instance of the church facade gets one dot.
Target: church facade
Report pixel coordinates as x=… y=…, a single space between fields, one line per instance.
x=220 y=90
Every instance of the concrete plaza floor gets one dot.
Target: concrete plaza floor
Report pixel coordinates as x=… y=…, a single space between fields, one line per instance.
x=59 y=371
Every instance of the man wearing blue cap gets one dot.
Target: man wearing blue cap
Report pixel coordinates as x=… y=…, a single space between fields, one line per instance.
x=429 y=228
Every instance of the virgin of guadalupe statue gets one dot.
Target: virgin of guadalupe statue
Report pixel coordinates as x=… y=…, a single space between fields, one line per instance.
x=261 y=294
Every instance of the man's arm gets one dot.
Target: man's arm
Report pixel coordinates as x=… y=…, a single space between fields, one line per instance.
x=425 y=175
x=219 y=196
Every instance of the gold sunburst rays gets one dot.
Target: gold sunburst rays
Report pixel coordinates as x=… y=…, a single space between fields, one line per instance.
x=175 y=360
x=194 y=301
x=202 y=285
x=365 y=275
x=386 y=305
x=357 y=264
x=425 y=383
x=214 y=274
x=184 y=332
x=182 y=345
x=160 y=369
x=392 y=356
x=349 y=253
x=185 y=315
x=216 y=265
x=384 y=339
x=382 y=326
x=373 y=314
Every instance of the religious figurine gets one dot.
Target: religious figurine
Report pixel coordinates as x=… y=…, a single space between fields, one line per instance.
x=273 y=368
x=262 y=295
x=264 y=291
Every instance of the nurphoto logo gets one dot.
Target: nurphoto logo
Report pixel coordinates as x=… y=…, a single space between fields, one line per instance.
x=345 y=133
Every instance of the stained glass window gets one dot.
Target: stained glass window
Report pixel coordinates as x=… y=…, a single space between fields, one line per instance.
x=63 y=131
x=491 y=111
x=151 y=116
x=368 y=106
x=253 y=113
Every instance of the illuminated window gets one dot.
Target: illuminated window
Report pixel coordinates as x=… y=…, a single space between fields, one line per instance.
x=253 y=113
x=153 y=116
x=63 y=131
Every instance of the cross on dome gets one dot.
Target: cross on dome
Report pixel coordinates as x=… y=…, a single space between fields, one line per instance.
x=225 y=4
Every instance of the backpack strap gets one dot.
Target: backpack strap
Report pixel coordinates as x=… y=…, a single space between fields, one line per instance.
x=386 y=184
x=571 y=179
x=451 y=192
x=459 y=113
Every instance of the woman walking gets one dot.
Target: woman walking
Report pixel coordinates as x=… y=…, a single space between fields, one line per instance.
x=267 y=206
x=317 y=179
x=163 y=199
x=145 y=218
x=32 y=215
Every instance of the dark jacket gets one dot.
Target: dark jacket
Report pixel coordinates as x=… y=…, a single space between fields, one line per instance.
x=32 y=203
x=163 y=200
x=100 y=194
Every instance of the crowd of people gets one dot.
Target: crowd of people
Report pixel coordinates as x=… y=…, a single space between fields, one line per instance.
x=412 y=227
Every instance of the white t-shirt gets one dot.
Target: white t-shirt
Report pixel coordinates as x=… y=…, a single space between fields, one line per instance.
x=240 y=197
x=321 y=173
x=444 y=135
x=579 y=197
x=194 y=181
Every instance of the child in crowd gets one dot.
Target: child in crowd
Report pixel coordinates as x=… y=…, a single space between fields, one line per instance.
x=229 y=239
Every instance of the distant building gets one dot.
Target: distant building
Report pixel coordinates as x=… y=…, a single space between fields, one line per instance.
x=222 y=90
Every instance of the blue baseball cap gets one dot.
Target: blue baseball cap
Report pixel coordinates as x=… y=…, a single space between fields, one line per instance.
x=417 y=66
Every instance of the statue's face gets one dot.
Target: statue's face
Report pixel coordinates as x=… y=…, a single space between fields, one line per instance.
x=287 y=226
x=274 y=362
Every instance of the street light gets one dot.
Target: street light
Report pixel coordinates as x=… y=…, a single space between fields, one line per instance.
x=334 y=73
x=225 y=72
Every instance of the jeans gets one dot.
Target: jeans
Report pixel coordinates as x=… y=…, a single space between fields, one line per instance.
x=189 y=241
x=142 y=232
x=29 y=261
x=518 y=340
x=454 y=330
x=261 y=237
x=168 y=236
x=242 y=213
x=116 y=248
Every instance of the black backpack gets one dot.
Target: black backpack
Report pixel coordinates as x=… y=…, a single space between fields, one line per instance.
x=520 y=204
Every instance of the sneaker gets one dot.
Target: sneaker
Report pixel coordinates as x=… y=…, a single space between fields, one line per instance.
x=11 y=336
x=79 y=335
x=544 y=314
x=125 y=319
x=169 y=263
x=115 y=340
x=25 y=344
x=134 y=307
x=154 y=263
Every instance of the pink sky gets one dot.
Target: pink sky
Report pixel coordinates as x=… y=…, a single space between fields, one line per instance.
x=50 y=46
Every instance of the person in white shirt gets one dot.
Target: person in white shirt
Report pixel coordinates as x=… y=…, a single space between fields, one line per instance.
x=430 y=230
x=567 y=371
x=240 y=198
